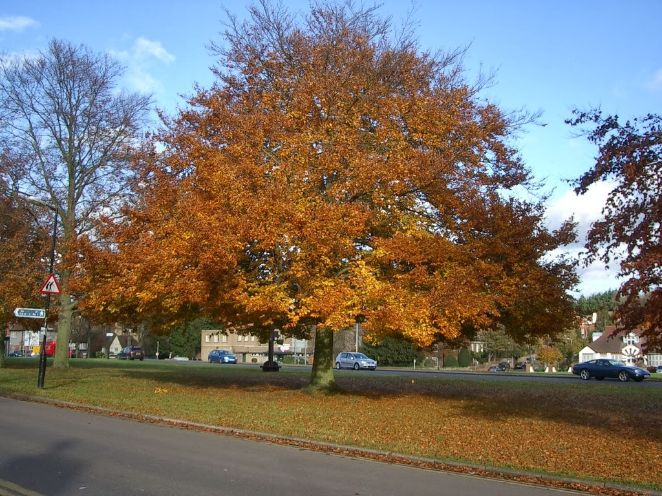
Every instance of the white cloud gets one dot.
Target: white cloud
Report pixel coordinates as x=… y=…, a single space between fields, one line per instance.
x=141 y=60
x=144 y=48
x=595 y=278
x=16 y=23
x=655 y=82
x=17 y=57
x=585 y=210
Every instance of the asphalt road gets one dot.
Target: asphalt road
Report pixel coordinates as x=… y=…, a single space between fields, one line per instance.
x=53 y=451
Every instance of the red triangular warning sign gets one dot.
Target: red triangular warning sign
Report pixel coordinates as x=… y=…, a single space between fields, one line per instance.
x=51 y=286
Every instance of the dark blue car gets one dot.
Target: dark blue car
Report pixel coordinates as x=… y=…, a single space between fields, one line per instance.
x=601 y=368
x=221 y=356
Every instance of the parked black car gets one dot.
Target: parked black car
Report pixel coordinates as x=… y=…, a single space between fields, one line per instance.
x=131 y=353
x=502 y=367
x=601 y=368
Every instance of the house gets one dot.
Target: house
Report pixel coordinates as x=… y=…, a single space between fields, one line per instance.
x=626 y=346
x=249 y=348
x=116 y=343
x=27 y=340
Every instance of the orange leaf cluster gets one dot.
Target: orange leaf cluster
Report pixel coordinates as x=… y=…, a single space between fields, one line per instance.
x=330 y=175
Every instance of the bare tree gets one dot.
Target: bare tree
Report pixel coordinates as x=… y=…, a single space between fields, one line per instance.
x=62 y=110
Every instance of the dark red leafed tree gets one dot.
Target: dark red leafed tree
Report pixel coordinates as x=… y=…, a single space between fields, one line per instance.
x=630 y=232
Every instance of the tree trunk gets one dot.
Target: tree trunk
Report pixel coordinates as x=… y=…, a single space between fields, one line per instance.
x=64 y=321
x=65 y=315
x=321 y=378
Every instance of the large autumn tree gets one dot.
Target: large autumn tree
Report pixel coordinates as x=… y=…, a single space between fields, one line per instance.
x=23 y=243
x=630 y=230
x=61 y=111
x=336 y=172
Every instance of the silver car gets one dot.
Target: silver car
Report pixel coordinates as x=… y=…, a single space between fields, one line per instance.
x=356 y=361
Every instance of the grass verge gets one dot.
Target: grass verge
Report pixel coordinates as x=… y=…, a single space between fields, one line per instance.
x=598 y=431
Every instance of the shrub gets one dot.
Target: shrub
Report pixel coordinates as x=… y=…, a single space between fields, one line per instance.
x=549 y=355
x=464 y=358
x=393 y=350
x=450 y=361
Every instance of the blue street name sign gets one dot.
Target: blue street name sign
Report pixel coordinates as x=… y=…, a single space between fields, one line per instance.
x=30 y=313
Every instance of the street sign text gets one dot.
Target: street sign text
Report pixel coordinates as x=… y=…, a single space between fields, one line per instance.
x=30 y=313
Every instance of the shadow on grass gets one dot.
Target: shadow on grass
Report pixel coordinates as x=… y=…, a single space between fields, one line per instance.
x=617 y=409
x=621 y=410
x=24 y=363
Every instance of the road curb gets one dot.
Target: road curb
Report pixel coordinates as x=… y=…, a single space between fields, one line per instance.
x=8 y=488
x=451 y=466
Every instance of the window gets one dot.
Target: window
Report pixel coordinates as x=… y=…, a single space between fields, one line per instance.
x=215 y=338
x=630 y=339
x=239 y=336
x=207 y=338
x=585 y=357
x=252 y=338
x=477 y=346
x=224 y=338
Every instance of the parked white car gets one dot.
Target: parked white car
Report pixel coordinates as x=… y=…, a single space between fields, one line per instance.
x=356 y=361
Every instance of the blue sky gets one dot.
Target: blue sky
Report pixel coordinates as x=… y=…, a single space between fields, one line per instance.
x=548 y=55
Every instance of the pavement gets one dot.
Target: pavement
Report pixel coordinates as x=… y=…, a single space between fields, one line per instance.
x=483 y=471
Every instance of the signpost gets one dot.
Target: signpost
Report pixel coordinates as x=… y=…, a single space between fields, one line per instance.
x=30 y=313
x=50 y=287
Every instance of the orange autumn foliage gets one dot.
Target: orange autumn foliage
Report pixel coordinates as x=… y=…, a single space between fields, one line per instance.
x=330 y=174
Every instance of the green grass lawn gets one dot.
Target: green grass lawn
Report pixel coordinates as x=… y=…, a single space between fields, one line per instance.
x=601 y=431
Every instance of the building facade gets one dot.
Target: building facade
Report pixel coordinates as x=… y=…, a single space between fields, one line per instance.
x=625 y=346
x=249 y=348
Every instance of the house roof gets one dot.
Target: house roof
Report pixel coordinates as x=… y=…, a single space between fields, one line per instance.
x=607 y=344
x=611 y=341
x=124 y=341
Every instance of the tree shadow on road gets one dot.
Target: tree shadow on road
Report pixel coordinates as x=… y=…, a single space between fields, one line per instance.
x=50 y=471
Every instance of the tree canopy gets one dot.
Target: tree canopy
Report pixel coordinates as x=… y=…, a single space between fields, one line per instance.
x=334 y=172
x=630 y=231
x=23 y=243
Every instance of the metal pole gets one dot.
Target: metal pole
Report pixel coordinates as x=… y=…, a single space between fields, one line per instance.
x=41 y=377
